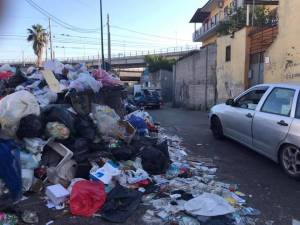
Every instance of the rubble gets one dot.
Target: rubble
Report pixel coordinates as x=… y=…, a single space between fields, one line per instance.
x=65 y=136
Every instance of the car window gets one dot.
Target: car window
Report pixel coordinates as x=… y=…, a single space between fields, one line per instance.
x=279 y=101
x=251 y=99
x=297 y=114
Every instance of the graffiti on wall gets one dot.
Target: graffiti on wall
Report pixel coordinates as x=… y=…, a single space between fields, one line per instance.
x=291 y=70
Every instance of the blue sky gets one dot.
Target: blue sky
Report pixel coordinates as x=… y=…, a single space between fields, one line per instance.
x=167 y=22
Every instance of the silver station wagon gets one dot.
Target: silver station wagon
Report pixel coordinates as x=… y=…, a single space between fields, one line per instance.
x=265 y=118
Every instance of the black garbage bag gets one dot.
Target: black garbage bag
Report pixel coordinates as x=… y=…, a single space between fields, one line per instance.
x=122 y=153
x=80 y=149
x=83 y=170
x=16 y=79
x=163 y=147
x=31 y=126
x=140 y=141
x=85 y=128
x=98 y=147
x=3 y=86
x=120 y=204
x=219 y=220
x=59 y=113
x=154 y=161
x=80 y=101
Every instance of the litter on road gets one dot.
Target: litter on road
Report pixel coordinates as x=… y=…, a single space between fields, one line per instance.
x=66 y=140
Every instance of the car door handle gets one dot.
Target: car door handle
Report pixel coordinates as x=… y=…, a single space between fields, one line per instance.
x=282 y=123
x=249 y=115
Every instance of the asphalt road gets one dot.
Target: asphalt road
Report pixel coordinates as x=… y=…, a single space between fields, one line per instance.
x=270 y=190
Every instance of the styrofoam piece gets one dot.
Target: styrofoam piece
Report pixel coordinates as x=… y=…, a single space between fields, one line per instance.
x=57 y=193
x=66 y=153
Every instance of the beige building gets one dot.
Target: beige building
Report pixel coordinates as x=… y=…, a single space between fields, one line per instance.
x=210 y=16
x=232 y=64
x=282 y=59
x=251 y=55
x=240 y=55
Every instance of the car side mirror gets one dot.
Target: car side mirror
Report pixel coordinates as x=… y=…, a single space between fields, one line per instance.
x=230 y=102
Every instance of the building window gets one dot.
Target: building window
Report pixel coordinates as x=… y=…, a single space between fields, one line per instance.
x=228 y=54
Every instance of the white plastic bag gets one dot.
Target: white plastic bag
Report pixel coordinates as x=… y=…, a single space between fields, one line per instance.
x=208 y=204
x=107 y=120
x=28 y=161
x=85 y=81
x=13 y=108
x=54 y=65
x=45 y=96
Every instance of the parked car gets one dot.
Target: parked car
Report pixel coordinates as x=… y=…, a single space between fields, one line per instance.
x=265 y=118
x=148 y=98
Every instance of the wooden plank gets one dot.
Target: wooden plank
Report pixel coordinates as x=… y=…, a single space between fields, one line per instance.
x=51 y=81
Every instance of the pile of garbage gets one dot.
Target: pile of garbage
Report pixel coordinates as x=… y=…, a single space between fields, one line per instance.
x=65 y=135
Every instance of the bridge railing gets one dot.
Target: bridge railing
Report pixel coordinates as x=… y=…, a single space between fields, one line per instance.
x=126 y=54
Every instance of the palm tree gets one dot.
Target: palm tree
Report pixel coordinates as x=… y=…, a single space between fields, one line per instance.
x=38 y=37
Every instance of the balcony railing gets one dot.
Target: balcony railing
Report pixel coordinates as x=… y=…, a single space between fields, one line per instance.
x=209 y=26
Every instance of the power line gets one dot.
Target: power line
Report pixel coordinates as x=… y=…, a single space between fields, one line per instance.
x=119 y=43
x=84 y=30
x=116 y=35
x=147 y=34
x=87 y=41
x=59 y=21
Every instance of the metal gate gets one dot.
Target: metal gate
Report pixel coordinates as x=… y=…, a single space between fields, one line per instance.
x=256 y=72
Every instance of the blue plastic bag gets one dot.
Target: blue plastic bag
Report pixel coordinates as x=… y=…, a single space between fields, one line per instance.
x=139 y=124
x=10 y=168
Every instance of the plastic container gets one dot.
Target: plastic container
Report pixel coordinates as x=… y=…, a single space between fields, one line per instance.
x=27 y=178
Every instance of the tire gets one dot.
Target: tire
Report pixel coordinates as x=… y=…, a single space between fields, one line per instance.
x=289 y=158
x=216 y=128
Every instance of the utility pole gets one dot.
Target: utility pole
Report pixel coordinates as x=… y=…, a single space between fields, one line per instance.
x=50 y=39
x=248 y=15
x=108 y=39
x=47 y=50
x=101 y=26
x=253 y=12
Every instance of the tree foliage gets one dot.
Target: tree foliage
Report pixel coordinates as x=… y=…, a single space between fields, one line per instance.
x=38 y=36
x=237 y=19
x=156 y=63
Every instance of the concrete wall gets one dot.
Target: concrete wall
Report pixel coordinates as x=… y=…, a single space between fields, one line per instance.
x=163 y=80
x=284 y=53
x=231 y=76
x=195 y=79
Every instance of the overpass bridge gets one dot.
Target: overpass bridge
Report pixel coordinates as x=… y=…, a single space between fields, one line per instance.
x=120 y=63
x=129 y=60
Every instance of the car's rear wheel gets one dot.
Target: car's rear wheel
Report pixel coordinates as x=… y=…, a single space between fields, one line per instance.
x=216 y=127
x=290 y=160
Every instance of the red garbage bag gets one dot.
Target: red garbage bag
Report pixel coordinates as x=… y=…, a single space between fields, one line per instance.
x=5 y=75
x=87 y=198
